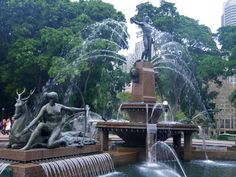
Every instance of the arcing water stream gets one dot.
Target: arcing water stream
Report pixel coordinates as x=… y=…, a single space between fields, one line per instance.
x=3 y=166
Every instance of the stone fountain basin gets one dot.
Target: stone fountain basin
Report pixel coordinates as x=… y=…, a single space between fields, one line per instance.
x=134 y=134
x=139 y=111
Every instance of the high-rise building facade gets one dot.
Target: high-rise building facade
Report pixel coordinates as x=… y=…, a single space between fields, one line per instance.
x=229 y=14
x=226 y=117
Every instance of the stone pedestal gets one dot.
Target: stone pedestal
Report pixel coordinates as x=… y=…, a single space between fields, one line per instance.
x=25 y=163
x=144 y=90
x=143 y=97
x=187 y=146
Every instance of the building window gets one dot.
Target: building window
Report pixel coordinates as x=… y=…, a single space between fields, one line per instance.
x=227 y=123
x=222 y=124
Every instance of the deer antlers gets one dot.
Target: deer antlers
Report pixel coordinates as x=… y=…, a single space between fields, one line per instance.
x=24 y=99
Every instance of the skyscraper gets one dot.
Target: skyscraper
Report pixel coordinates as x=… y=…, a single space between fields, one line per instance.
x=229 y=14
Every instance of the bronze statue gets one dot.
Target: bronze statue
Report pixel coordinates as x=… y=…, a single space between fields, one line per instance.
x=51 y=123
x=21 y=119
x=147 y=36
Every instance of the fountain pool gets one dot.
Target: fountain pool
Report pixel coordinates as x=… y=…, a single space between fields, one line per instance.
x=195 y=168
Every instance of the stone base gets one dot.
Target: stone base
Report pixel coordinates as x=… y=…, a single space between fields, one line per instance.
x=213 y=155
x=24 y=165
x=126 y=155
x=144 y=90
x=41 y=154
x=27 y=170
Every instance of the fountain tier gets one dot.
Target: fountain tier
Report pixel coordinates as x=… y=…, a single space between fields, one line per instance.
x=134 y=134
x=139 y=111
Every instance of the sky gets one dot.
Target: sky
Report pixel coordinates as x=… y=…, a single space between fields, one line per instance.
x=207 y=12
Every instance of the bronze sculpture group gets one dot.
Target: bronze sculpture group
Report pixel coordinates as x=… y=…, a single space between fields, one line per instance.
x=45 y=130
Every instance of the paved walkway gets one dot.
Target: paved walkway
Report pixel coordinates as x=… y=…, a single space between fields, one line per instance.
x=209 y=142
x=215 y=142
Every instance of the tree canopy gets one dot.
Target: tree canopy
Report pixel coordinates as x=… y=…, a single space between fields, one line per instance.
x=227 y=38
x=41 y=42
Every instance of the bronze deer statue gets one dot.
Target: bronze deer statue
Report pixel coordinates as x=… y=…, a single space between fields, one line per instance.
x=21 y=119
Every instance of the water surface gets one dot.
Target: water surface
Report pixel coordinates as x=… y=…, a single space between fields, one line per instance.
x=196 y=168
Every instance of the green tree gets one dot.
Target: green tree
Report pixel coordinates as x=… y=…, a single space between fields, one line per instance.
x=41 y=40
x=202 y=60
x=227 y=38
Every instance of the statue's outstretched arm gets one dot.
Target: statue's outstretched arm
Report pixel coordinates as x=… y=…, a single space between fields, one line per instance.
x=72 y=109
x=132 y=20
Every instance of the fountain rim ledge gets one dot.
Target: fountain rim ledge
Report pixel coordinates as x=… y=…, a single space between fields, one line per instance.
x=140 y=125
x=43 y=153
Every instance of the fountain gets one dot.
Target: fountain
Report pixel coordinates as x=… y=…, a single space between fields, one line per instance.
x=140 y=133
x=140 y=109
x=143 y=128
